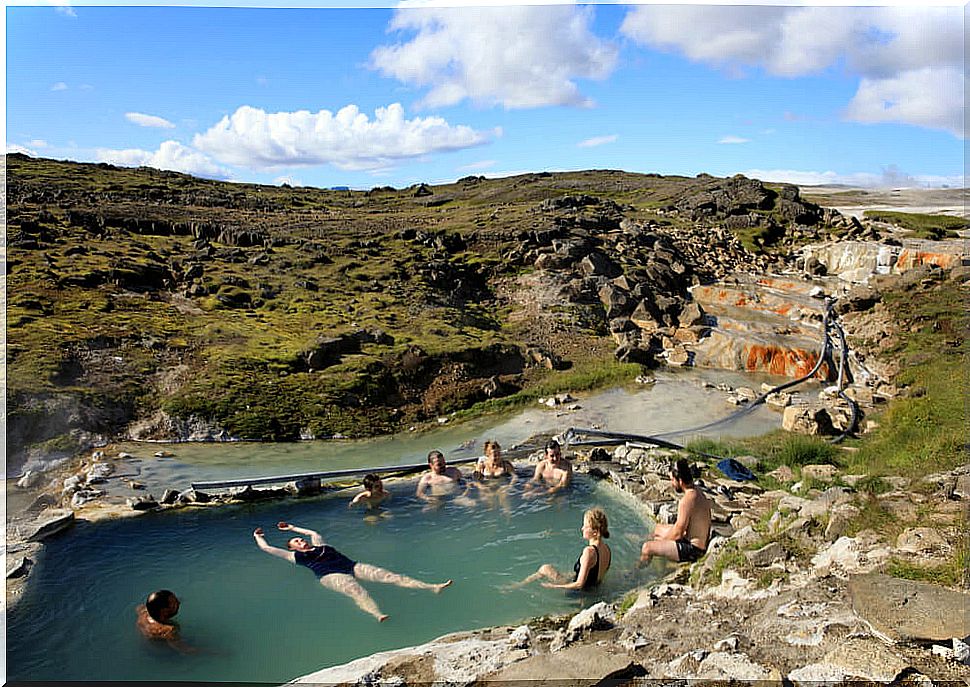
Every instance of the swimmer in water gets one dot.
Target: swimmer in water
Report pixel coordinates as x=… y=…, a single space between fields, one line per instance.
x=441 y=479
x=373 y=494
x=494 y=476
x=591 y=566
x=154 y=620
x=337 y=572
x=552 y=474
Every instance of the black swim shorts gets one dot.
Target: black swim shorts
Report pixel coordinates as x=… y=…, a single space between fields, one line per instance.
x=687 y=552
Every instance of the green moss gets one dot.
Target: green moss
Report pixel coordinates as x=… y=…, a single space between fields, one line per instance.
x=923 y=226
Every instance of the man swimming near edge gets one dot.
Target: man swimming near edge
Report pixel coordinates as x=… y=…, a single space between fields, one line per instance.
x=335 y=571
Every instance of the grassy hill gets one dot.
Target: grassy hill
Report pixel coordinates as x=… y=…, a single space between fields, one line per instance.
x=180 y=304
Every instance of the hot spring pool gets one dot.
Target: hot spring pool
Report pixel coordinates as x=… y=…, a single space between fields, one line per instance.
x=257 y=618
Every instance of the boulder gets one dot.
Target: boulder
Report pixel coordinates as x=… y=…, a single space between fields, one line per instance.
x=921 y=541
x=766 y=555
x=811 y=420
x=823 y=473
x=146 y=502
x=908 y=610
x=869 y=660
x=169 y=496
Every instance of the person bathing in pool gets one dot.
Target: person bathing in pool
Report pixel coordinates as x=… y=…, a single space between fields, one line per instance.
x=593 y=562
x=335 y=571
x=155 y=620
x=373 y=494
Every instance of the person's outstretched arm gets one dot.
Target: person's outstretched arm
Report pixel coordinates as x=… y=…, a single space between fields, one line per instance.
x=272 y=550
x=585 y=563
x=315 y=537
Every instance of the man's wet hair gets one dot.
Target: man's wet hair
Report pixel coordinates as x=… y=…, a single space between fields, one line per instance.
x=371 y=480
x=157 y=602
x=682 y=471
x=435 y=454
x=553 y=445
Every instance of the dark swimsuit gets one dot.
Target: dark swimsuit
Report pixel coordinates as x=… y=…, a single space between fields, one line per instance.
x=325 y=560
x=592 y=579
x=687 y=552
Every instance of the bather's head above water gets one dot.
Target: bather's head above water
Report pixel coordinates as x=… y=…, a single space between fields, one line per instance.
x=298 y=544
x=162 y=605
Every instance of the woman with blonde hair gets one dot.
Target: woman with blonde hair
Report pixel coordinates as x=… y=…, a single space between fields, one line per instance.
x=593 y=562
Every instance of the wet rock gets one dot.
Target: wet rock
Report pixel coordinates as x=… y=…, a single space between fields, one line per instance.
x=904 y=609
x=308 y=486
x=85 y=496
x=169 y=496
x=193 y=496
x=98 y=473
x=55 y=522
x=141 y=503
x=20 y=568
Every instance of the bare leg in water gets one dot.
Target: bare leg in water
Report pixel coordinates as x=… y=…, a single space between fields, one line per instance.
x=372 y=573
x=346 y=584
x=546 y=572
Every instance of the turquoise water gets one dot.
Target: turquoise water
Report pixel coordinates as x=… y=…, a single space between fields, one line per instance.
x=259 y=618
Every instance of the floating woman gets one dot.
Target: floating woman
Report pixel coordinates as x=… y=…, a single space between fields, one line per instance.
x=593 y=562
x=337 y=572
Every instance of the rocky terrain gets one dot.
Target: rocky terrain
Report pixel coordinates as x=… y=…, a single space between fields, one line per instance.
x=153 y=305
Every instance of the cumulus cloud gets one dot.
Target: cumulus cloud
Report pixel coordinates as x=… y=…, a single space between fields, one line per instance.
x=514 y=56
x=890 y=177
x=148 y=120
x=597 y=141
x=889 y=48
x=348 y=139
x=171 y=155
x=733 y=140
x=928 y=97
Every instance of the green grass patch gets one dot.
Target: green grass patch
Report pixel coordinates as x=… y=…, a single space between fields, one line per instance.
x=923 y=226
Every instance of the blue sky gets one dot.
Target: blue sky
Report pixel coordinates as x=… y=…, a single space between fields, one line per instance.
x=367 y=95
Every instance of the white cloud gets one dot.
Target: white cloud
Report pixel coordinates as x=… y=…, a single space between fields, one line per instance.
x=148 y=120
x=171 y=155
x=514 y=56
x=888 y=48
x=37 y=143
x=929 y=97
x=597 y=141
x=891 y=177
x=24 y=150
x=288 y=180
x=59 y=86
x=733 y=140
x=348 y=139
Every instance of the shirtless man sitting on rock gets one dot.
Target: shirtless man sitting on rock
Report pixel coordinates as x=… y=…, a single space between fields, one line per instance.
x=554 y=471
x=686 y=540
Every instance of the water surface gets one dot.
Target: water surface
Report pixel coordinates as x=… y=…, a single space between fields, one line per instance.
x=259 y=618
